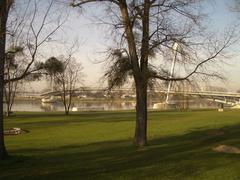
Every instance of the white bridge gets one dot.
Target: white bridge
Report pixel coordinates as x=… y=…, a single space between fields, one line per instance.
x=228 y=98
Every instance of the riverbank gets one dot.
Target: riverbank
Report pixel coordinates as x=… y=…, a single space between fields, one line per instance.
x=75 y=99
x=107 y=105
x=99 y=145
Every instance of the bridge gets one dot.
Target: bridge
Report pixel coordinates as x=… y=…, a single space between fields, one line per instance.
x=85 y=89
x=228 y=98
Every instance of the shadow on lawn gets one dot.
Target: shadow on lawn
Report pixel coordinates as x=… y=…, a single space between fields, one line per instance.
x=60 y=114
x=60 y=118
x=175 y=157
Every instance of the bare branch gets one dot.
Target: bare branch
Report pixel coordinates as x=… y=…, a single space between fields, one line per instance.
x=82 y=2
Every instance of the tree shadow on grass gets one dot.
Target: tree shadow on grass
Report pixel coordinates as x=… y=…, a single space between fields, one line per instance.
x=57 y=114
x=176 y=157
x=44 y=119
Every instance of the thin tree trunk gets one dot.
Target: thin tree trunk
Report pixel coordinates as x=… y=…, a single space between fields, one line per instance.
x=6 y=95
x=64 y=95
x=141 y=115
x=14 y=89
x=69 y=102
x=70 y=94
x=9 y=90
x=3 y=152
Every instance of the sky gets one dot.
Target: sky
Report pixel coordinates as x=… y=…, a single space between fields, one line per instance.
x=93 y=39
x=222 y=17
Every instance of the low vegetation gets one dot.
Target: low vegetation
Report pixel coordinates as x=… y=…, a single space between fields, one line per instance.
x=99 y=145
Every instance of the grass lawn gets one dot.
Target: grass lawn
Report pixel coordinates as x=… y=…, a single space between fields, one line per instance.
x=98 y=145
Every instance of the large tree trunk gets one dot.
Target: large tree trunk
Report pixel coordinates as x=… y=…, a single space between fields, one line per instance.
x=141 y=115
x=139 y=70
x=3 y=20
x=4 y=9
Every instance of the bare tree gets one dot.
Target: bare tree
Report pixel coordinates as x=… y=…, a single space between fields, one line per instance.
x=10 y=93
x=148 y=29
x=32 y=31
x=11 y=70
x=67 y=80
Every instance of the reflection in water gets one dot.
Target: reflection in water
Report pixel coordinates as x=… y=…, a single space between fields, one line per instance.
x=50 y=107
x=38 y=106
x=98 y=105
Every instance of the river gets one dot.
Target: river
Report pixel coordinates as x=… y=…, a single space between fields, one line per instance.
x=38 y=106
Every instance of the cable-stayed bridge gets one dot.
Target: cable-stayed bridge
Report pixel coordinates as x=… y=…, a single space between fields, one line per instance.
x=223 y=98
x=228 y=98
x=86 y=89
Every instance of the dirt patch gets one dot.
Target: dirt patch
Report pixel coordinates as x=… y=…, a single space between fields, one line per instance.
x=15 y=131
x=227 y=149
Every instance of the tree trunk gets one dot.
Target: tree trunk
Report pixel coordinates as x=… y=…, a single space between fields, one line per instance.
x=8 y=112
x=3 y=20
x=6 y=100
x=8 y=97
x=66 y=112
x=3 y=152
x=141 y=115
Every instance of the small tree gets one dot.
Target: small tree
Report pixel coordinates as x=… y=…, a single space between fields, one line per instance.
x=67 y=81
x=12 y=70
x=53 y=67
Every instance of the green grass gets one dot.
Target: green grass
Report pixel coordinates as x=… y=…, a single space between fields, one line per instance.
x=99 y=145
